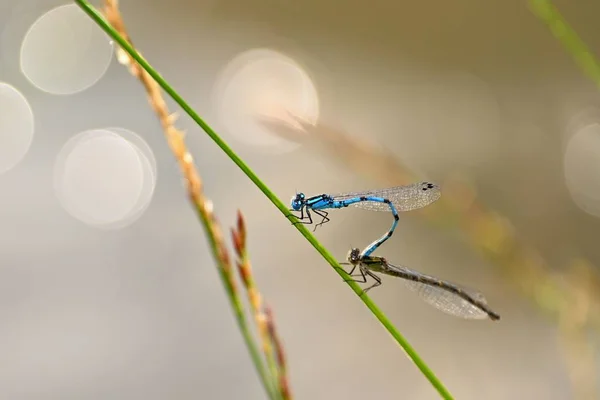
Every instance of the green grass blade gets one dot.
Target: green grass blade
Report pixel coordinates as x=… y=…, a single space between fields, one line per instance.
x=566 y=35
x=412 y=354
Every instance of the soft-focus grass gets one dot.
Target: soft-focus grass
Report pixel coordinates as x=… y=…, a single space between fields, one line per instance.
x=580 y=347
x=567 y=36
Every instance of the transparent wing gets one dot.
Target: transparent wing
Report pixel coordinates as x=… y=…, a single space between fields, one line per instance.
x=405 y=198
x=447 y=297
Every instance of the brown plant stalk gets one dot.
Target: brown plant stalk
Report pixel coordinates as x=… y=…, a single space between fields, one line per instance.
x=175 y=138
x=204 y=208
x=284 y=385
x=263 y=316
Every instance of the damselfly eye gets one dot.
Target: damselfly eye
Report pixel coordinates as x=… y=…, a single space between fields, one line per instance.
x=427 y=186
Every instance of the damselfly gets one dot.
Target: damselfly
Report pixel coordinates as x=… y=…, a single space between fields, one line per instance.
x=399 y=198
x=447 y=297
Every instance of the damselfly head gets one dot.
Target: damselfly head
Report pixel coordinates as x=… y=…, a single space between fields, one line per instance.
x=427 y=193
x=353 y=256
x=298 y=201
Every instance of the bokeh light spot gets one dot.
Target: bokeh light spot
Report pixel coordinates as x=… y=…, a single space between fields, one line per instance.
x=16 y=127
x=105 y=177
x=65 y=52
x=582 y=168
x=264 y=82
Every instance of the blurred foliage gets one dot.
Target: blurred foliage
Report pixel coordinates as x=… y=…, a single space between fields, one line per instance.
x=569 y=296
x=578 y=317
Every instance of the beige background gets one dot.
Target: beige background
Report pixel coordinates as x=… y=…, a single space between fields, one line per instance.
x=480 y=89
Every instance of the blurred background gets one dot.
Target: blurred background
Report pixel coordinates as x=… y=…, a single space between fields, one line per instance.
x=107 y=286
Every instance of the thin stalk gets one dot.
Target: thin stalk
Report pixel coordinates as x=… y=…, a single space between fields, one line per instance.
x=571 y=41
x=238 y=235
x=228 y=281
x=284 y=384
x=202 y=205
x=412 y=354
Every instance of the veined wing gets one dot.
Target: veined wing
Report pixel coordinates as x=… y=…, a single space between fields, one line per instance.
x=447 y=297
x=405 y=198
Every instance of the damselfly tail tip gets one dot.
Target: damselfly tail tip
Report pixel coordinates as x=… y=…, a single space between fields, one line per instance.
x=493 y=316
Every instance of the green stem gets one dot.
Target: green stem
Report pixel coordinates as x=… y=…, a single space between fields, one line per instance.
x=412 y=354
x=583 y=56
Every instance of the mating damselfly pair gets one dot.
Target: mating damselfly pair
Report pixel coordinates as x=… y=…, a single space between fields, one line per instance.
x=445 y=296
